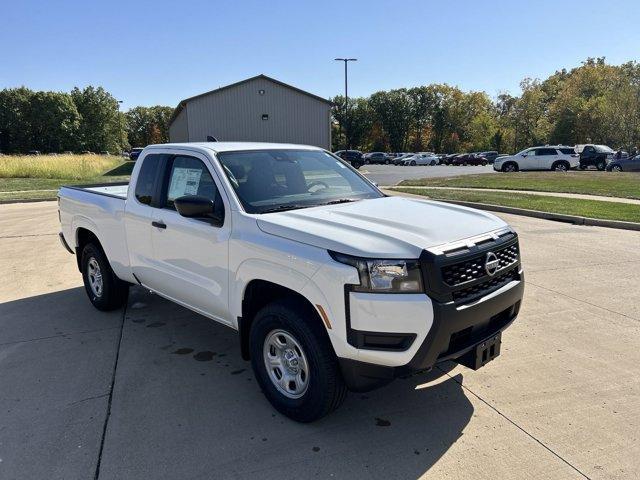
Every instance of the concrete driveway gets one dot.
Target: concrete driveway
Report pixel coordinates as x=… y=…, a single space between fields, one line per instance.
x=157 y=392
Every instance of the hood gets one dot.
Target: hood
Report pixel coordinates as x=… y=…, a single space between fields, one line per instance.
x=390 y=227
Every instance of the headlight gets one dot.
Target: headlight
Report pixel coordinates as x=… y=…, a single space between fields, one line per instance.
x=384 y=276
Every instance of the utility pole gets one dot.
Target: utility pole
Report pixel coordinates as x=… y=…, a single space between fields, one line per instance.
x=346 y=99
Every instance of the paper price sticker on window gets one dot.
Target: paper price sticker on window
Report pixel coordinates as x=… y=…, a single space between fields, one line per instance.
x=184 y=181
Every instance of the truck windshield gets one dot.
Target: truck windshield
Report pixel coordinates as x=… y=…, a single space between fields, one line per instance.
x=276 y=180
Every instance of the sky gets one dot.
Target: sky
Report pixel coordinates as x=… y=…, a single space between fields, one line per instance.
x=159 y=52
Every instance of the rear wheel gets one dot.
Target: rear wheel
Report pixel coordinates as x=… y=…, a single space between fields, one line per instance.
x=616 y=168
x=560 y=166
x=601 y=165
x=294 y=362
x=387 y=162
x=105 y=290
x=413 y=163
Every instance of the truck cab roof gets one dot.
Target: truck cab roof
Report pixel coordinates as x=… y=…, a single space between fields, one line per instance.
x=232 y=146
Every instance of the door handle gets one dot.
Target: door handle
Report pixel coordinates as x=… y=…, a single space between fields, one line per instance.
x=158 y=224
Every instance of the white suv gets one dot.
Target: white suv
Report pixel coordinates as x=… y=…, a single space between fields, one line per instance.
x=550 y=157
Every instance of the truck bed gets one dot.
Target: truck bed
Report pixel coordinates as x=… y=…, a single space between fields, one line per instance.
x=118 y=190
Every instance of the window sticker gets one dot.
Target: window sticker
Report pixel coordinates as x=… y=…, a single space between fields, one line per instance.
x=184 y=181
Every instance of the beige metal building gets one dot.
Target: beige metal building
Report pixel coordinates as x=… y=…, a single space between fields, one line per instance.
x=259 y=109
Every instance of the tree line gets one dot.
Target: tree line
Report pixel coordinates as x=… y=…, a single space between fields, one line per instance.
x=87 y=119
x=593 y=103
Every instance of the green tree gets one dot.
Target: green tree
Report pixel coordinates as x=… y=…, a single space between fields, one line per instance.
x=15 y=129
x=148 y=125
x=53 y=121
x=102 y=126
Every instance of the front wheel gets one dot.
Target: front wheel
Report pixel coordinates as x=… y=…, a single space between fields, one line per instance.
x=294 y=362
x=510 y=167
x=601 y=165
x=616 y=168
x=413 y=163
x=105 y=290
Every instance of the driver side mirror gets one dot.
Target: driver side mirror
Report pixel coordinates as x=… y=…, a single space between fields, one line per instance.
x=199 y=207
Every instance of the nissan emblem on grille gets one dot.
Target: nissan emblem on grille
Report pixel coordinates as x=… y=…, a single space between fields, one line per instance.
x=491 y=264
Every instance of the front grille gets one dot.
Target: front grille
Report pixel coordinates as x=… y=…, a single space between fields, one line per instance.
x=473 y=269
x=486 y=287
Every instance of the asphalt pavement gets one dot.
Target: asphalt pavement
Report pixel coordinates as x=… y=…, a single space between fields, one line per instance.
x=387 y=175
x=155 y=391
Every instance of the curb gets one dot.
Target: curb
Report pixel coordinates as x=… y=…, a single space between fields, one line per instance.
x=558 y=217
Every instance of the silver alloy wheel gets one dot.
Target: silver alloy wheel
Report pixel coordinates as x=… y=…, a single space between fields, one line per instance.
x=616 y=168
x=509 y=167
x=286 y=363
x=95 y=276
x=561 y=167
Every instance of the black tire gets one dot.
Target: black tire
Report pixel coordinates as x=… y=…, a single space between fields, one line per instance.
x=510 y=167
x=601 y=165
x=560 y=166
x=366 y=162
x=413 y=163
x=616 y=168
x=485 y=163
x=326 y=389
x=583 y=167
x=114 y=292
x=387 y=162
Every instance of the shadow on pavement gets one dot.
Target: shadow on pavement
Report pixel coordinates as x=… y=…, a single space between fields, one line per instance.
x=185 y=405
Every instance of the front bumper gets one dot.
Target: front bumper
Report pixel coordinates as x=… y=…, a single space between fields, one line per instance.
x=456 y=330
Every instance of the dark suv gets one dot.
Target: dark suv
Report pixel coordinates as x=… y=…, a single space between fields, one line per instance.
x=354 y=157
x=377 y=157
x=595 y=156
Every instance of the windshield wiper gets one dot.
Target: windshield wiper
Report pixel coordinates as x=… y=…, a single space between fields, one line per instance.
x=342 y=200
x=284 y=208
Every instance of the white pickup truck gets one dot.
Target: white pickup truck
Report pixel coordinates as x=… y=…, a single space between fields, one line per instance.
x=331 y=284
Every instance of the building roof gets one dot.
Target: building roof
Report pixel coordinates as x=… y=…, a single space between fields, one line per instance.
x=182 y=103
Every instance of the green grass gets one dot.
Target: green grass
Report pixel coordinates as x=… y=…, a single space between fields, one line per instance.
x=568 y=206
x=76 y=167
x=625 y=185
x=40 y=177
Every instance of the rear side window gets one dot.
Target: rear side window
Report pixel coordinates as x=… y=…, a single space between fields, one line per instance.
x=146 y=182
x=568 y=151
x=546 y=151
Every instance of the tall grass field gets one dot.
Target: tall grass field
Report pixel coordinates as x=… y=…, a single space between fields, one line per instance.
x=76 y=167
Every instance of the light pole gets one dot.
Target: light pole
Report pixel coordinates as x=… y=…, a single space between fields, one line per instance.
x=346 y=98
x=120 y=128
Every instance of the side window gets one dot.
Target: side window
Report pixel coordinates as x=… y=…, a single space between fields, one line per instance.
x=146 y=182
x=546 y=151
x=189 y=176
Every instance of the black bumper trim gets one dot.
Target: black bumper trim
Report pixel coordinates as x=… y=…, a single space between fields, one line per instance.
x=65 y=244
x=456 y=330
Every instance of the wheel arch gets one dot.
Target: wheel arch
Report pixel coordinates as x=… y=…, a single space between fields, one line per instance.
x=259 y=293
x=84 y=236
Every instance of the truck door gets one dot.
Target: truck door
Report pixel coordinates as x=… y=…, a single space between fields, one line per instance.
x=138 y=212
x=190 y=255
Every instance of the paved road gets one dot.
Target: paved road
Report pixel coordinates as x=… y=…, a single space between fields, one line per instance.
x=386 y=175
x=80 y=389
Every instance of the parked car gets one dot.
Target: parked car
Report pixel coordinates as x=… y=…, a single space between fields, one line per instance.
x=625 y=164
x=34 y=152
x=354 y=157
x=469 y=159
x=400 y=160
x=421 y=159
x=596 y=156
x=377 y=158
x=549 y=157
x=490 y=155
x=330 y=284
x=135 y=153
x=447 y=159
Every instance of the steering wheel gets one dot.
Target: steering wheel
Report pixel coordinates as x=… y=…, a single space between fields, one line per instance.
x=316 y=184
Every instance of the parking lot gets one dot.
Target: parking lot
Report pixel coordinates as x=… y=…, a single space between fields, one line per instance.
x=392 y=175
x=157 y=392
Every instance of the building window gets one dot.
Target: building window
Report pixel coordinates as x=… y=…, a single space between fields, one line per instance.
x=265 y=116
